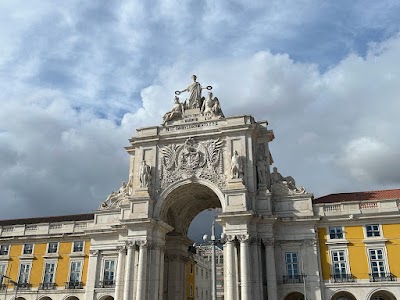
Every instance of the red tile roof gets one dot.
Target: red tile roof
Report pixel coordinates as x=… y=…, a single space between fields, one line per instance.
x=359 y=196
x=81 y=217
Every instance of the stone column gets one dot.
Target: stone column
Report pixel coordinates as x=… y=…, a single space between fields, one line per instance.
x=119 y=278
x=161 y=270
x=230 y=268
x=245 y=275
x=271 y=268
x=92 y=274
x=142 y=270
x=156 y=267
x=255 y=267
x=129 y=271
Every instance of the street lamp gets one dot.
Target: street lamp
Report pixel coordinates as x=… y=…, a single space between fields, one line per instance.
x=213 y=264
x=13 y=282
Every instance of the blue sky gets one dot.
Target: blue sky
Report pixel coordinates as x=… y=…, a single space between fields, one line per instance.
x=77 y=78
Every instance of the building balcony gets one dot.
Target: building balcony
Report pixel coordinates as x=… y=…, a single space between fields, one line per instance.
x=379 y=277
x=74 y=285
x=47 y=286
x=106 y=284
x=338 y=278
x=290 y=279
x=22 y=286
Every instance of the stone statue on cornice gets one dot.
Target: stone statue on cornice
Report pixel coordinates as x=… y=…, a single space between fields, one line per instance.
x=194 y=89
x=176 y=112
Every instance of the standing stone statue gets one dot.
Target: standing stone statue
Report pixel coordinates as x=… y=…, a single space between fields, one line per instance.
x=236 y=166
x=262 y=169
x=194 y=89
x=145 y=174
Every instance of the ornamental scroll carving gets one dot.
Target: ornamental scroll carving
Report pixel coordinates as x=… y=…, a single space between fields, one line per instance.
x=192 y=159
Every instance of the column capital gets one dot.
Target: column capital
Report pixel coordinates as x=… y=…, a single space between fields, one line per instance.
x=229 y=238
x=94 y=252
x=269 y=242
x=130 y=244
x=121 y=249
x=243 y=238
x=142 y=243
x=255 y=240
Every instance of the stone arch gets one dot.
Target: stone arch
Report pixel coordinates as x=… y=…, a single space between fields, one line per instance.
x=343 y=295
x=381 y=295
x=20 y=298
x=294 y=296
x=106 y=297
x=181 y=202
x=45 y=298
x=71 y=298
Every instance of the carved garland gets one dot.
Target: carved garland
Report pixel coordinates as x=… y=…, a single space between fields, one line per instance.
x=192 y=159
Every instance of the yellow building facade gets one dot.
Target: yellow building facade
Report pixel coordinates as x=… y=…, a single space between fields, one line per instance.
x=359 y=244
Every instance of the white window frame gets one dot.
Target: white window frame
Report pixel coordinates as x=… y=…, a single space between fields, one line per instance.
x=23 y=249
x=292 y=263
x=3 y=266
x=384 y=255
x=70 y=269
x=73 y=246
x=29 y=272
x=373 y=237
x=103 y=268
x=328 y=230
x=2 y=248
x=48 y=247
x=44 y=270
x=346 y=261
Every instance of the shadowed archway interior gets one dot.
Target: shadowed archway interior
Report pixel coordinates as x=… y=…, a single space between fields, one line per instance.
x=184 y=203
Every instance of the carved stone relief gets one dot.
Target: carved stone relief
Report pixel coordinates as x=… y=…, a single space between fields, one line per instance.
x=192 y=159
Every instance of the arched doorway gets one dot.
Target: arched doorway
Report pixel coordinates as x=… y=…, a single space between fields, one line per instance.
x=72 y=298
x=295 y=296
x=382 y=295
x=106 y=298
x=343 y=296
x=20 y=298
x=179 y=209
x=45 y=298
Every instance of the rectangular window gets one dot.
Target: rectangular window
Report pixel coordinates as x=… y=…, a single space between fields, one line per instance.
x=372 y=230
x=49 y=272
x=52 y=247
x=377 y=262
x=4 y=249
x=292 y=264
x=78 y=246
x=339 y=264
x=109 y=271
x=335 y=232
x=75 y=271
x=28 y=249
x=3 y=269
x=24 y=270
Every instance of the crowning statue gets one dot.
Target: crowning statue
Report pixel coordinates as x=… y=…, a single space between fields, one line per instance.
x=176 y=112
x=211 y=107
x=194 y=89
x=116 y=197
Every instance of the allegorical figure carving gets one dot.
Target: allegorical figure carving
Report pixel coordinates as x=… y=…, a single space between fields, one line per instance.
x=236 y=166
x=145 y=174
x=176 y=112
x=262 y=167
x=116 y=196
x=194 y=89
x=277 y=179
x=211 y=107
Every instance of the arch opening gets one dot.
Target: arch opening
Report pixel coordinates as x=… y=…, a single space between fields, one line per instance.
x=343 y=296
x=184 y=203
x=382 y=295
x=295 y=296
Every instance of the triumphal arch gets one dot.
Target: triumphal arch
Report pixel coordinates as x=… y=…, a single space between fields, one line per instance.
x=198 y=159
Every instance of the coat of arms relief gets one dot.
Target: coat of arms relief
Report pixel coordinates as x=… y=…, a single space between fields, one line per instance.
x=192 y=159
